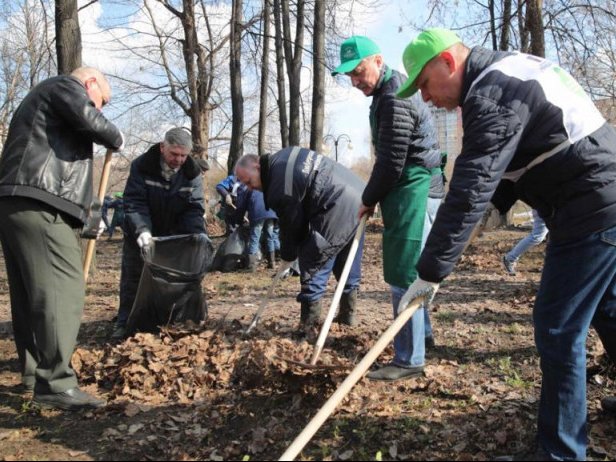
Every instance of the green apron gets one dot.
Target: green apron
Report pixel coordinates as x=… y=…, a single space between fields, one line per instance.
x=404 y=212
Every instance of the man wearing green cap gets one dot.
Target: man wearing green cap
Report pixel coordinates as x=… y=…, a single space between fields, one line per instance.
x=406 y=181
x=528 y=121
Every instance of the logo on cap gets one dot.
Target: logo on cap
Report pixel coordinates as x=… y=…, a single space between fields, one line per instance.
x=349 y=52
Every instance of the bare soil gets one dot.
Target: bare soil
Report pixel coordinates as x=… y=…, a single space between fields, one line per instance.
x=209 y=392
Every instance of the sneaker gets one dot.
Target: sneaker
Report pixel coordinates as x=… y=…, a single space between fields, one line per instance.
x=70 y=400
x=391 y=373
x=509 y=265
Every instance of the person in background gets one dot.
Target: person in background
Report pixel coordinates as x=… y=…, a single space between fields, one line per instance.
x=260 y=221
x=536 y=237
x=227 y=189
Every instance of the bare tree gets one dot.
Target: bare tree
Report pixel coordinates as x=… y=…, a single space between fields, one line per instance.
x=26 y=55
x=237 y=98
x=318 y=76
x=280 y=75
x=293 y=55
x=264 y=77
x=68 y=36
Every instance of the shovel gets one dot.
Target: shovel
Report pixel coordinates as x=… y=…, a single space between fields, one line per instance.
x=318 y=347
x=345 y=387
x=102 y=189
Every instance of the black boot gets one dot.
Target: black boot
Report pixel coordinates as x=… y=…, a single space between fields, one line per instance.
x=346 y=314
x=271 y=260
x=252 y=262
x=311 y=314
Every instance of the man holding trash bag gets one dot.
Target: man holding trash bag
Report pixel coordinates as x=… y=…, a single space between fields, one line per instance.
x=406 y=181
x=45 y=194
x=316 y=200
x=528 y=121
x=163 y=197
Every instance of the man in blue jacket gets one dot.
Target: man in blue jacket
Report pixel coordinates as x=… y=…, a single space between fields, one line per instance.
x=45 y=194
x=163 y=197
x=407 y=182
x=316 y=200
x=227 y=189
x=528 y=121
x=261 y=220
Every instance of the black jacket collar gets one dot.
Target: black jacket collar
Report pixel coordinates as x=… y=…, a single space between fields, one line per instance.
x=150 y=164
x=478 y=59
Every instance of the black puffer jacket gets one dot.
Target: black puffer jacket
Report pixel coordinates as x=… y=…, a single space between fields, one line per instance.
x=47 y=155
x=403 y=133
x=163 y=207
x=527 y=121
x=316 y=200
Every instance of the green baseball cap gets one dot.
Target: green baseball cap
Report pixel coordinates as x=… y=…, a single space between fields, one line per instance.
x=422 y=49
x=353 y=50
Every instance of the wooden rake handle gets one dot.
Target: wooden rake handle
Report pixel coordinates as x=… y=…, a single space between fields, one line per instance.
x=102 y=189
x=345 y=387
x=318 y=347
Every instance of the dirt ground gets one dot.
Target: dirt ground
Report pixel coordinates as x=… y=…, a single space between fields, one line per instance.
x=209 y=392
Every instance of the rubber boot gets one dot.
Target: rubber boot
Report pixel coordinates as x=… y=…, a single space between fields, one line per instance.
x=311 y=314
x=271 y=260
x=346 y=314
x=252 y=262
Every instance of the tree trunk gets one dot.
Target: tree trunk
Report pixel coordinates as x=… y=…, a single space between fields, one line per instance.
x=506 y=26
x=280 y=80
x=534 y=22
x=264 y=78
x=293 y=55
x=522 y=27
x=237 y=98
x=318 y=76
x=68 y=36
x=492 y=24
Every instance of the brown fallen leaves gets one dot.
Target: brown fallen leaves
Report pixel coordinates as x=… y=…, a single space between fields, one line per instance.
x=183 y=365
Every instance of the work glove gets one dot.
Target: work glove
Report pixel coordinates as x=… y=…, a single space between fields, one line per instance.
x=123 y=145
x=229 y=200
x=101 y=229
x=419 y=288
x=144 y=239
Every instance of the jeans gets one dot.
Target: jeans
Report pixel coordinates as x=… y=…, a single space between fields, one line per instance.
x=410 y=343
x=271 y=236
x=536 y=237
x=578 y=289
x=314 y=288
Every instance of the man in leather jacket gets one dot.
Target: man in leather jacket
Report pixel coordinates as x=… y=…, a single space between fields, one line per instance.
x=45 y=194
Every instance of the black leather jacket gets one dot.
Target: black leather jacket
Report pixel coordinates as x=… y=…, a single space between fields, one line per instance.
x=48 y=152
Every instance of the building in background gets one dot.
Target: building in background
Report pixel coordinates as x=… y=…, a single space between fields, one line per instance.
x=449 y=129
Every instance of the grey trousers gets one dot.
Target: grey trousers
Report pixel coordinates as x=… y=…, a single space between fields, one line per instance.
x=46 y=284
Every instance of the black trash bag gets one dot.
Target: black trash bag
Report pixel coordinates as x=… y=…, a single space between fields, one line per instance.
x=170 y=285
x=230 y=254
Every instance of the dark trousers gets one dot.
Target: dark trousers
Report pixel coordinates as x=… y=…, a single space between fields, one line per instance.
x=46 y=284
x=132 y=266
